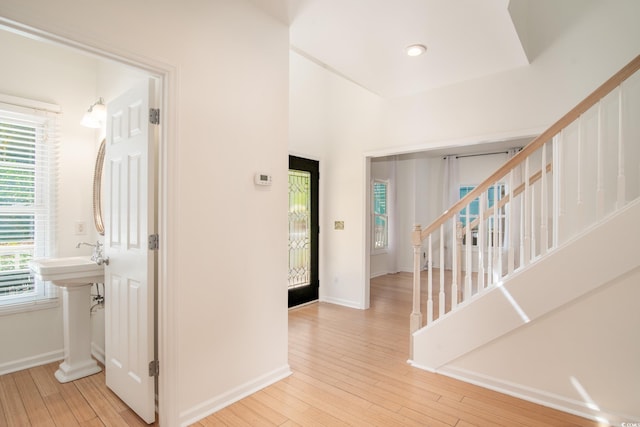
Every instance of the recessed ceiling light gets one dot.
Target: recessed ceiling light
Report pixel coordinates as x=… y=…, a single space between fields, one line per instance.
x=415 y=49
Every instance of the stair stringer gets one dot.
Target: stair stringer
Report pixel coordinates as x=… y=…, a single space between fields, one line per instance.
x=594 y=258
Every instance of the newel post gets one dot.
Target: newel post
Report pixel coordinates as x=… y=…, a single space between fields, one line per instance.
x=416 y=314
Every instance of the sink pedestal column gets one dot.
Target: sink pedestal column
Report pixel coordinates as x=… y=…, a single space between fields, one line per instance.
x=78 y=362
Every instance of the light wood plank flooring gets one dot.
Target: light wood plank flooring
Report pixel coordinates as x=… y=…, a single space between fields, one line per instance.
x=34 y=397
x=349 y=368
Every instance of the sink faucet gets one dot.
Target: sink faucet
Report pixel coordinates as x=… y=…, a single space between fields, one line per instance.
x=98 y=255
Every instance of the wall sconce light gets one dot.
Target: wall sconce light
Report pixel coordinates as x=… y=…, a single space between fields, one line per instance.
x=95 y=115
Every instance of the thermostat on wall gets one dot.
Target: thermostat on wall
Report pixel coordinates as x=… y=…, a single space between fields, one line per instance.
x=262 y=179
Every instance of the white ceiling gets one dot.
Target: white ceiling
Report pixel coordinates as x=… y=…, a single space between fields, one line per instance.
x=364 y=40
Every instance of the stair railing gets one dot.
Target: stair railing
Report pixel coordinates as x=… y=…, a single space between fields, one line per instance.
x=584 y=167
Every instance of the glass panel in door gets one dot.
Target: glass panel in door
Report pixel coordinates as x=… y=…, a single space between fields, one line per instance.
x=303 y=230
x=299 y=228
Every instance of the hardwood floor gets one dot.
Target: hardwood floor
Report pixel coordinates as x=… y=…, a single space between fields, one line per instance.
x=34 y=397
x=349 y=368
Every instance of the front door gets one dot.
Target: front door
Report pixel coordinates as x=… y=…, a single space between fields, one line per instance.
x=129 y=277
x=303 y=230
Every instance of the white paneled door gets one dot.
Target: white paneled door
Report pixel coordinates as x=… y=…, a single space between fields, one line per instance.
x=129 y=277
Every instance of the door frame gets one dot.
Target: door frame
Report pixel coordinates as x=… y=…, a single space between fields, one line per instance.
x=167 y=296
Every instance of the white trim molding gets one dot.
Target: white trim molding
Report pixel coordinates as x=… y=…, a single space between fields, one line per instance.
x=342 y=302
x=533 y=395
x=30 y=362
x=97 y=352
x=204 y=409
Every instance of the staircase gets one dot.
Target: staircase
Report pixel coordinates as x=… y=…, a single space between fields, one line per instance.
x=553 y=230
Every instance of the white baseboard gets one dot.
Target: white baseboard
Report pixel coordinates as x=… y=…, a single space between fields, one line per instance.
x=343 y=302
x=198 y=412
x=97 y=352
x=315 y=301
x=30 y=362
x=381 y=273
x=539 y=397
x=424 y=368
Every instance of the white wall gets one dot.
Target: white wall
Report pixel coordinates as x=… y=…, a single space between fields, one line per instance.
x=475 y=169
x=418 y=199
x=227 y=120
x=405 y=219
x=591 y=49
x=58 y=76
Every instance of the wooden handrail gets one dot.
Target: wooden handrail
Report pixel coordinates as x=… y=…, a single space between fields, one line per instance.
x=602 y=91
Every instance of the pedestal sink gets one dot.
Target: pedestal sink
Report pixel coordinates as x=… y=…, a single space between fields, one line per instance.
x=74 y=275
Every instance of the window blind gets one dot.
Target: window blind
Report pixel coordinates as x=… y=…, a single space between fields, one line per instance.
x=28 y=151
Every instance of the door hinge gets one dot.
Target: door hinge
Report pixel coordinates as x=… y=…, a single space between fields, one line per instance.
x=154 y=368
x=154 y=242
x=154 y=116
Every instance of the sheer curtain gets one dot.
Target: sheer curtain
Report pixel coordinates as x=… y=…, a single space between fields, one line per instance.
x=514 y=221
x=450 y=195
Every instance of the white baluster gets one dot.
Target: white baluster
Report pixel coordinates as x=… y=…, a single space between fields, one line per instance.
x=544 y=214
x=459 y=249
x=491 y=241
x=454 y=265
x=558 y=210
x=481 y=244
x=527 y=215
x=429 y=281
x=511 y=252
x=416 y=314
x=468 y=261
x=622 y=198
x=533 y=218
x=521 y=231
x=580 y=203
x=498 y=232
x=600 y=166
x=441 y=307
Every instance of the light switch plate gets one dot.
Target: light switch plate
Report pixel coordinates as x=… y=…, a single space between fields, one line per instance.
x=80 y=228
x=338 y=225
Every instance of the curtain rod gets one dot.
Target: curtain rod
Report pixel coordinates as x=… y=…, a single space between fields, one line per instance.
x=479 y=154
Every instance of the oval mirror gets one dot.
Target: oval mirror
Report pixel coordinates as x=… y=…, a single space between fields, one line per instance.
x=97 y=189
